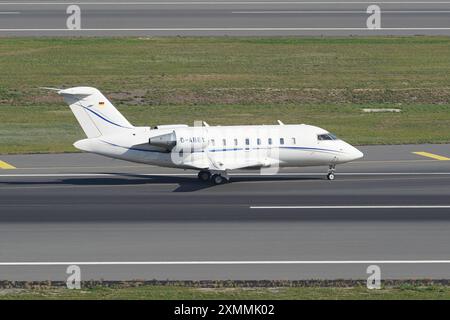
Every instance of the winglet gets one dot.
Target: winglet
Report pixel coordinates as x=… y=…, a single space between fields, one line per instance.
x=280 y=123
x=205 y=124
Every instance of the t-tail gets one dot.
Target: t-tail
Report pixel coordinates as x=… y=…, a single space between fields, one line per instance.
x=96 y=115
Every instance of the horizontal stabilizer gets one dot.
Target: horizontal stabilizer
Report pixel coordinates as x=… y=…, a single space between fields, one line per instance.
x=51 y=89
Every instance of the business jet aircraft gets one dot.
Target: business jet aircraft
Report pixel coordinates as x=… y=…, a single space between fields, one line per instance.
x=213 y=151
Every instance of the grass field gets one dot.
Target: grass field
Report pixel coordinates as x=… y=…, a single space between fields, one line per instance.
x=321 y=81
x=183 y=293
x=54 y=128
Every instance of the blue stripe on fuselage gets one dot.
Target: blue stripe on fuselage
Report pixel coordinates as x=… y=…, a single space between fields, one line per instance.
x=104 y=118
x=230 y=149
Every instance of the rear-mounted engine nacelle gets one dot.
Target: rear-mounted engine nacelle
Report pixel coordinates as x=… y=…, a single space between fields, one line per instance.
x=166 y=141
x=182 y=140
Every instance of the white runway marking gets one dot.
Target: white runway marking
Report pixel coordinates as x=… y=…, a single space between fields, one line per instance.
x=356 y=207
x=12 y=12
x=89 y=186
x=171 y=3
x=262 y=262
x=333 y=12
x=227 y=29
x=147 y=166
x=64 y=175
x=283 y=174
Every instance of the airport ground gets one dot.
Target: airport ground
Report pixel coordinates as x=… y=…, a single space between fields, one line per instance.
x=61 y=209
x=122 y=221
x=125 y=221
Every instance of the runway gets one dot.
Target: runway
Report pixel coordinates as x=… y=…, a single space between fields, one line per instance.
x=219 y=18
x=121 y=221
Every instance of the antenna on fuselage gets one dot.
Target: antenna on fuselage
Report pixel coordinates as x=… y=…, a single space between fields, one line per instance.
x=280 y=123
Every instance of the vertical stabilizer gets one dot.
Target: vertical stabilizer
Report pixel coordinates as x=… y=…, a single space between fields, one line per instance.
x=96 y=115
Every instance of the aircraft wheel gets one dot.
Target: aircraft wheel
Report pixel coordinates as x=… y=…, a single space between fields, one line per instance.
x=330 y=176
x=218 y=179
x=204 y=175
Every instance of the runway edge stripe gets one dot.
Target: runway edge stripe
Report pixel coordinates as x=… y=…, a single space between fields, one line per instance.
x=218 y=262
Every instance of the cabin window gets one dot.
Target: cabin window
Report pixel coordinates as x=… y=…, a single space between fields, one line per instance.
x=258 y=141
x=213 y=143
x=293 y=140
x=247 y=141
x=235 y=142
x=270 y=141
x=224 y=142
x=281 y=140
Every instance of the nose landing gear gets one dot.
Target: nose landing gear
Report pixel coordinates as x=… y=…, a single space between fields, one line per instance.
x=330 y=175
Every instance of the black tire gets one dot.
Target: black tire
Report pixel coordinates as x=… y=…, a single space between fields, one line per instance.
x=218 y=179
x=204 y=175
x=330 y=176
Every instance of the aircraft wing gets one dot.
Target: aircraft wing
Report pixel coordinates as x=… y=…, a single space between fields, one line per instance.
x=221 y=164
x=245 y=163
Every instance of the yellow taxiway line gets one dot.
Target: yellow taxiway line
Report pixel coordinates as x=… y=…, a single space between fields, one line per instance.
x=431 y=155
x=5 y=165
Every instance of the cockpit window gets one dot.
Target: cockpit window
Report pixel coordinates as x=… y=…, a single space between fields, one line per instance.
x=326 y=136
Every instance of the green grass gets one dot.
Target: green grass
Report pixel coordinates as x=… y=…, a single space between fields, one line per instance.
x=54 y=129
x=198 y=63
x=229 y=80
x=174 y=292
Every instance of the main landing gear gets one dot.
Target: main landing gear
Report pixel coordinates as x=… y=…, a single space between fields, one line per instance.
x=215 y=178
x=330 y=175
x=204 y=175
x=218 y=179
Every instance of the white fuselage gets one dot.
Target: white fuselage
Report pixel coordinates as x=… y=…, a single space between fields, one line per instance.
x=230 y=147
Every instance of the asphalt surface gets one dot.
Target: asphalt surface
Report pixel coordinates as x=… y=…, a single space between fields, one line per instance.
x=244 y=18
x=81 y=208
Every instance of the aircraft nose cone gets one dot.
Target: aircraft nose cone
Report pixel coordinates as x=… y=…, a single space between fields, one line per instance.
x=350 y=154
x=356 y=154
